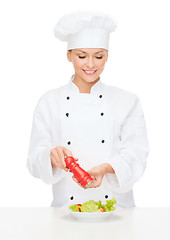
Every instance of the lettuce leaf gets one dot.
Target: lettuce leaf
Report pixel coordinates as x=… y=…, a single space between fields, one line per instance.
x=74 y=208
x=90 y=206
x=109 y=205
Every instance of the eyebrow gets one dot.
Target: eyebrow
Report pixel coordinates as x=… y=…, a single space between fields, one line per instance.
x=86 y=52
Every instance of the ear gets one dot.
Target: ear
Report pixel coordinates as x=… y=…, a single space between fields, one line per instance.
x=69 y=56
x=107 y=55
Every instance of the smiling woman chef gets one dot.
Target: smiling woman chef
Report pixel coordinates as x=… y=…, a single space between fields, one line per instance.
x=101 y=126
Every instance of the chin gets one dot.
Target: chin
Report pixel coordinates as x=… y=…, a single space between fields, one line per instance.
x=91 y=79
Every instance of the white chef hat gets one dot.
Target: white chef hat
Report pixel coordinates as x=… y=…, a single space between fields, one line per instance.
x=85 y=29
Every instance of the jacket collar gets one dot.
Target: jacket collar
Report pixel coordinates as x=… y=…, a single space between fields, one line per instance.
x=95 y=88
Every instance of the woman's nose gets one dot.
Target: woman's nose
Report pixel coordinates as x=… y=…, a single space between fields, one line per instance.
x=90 y=62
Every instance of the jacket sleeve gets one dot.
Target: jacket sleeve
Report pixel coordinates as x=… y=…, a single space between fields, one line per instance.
x=129 y=160
x=38 y=162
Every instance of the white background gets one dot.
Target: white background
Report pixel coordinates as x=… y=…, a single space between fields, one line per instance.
x=33 y=61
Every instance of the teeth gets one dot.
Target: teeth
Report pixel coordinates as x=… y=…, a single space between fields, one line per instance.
x=90 y=71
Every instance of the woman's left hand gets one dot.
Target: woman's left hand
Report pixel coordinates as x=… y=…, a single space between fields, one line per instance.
x=97 y=173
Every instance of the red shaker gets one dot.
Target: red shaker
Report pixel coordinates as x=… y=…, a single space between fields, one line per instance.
x=80 y=174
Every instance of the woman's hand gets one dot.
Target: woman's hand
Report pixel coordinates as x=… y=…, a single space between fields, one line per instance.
x=98 y=172
x=57 y=157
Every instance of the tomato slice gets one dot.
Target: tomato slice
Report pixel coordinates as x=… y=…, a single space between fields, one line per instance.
x=102 y=210
x=79 y=205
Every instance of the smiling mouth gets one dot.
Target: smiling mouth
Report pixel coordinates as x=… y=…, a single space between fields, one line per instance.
x=88 y=72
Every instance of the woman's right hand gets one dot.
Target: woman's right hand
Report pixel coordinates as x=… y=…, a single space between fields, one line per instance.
x=57 y=156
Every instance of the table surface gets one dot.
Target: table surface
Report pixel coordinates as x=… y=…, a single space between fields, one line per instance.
x=55 y=223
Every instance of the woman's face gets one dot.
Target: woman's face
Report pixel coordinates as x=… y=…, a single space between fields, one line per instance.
x=88 y=62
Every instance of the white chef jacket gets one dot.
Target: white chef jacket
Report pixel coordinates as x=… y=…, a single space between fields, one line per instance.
x=105 y=126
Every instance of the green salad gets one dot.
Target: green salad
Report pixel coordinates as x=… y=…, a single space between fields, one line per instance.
x=92 y=206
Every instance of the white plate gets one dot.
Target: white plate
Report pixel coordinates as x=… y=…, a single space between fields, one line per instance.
x=91 y=216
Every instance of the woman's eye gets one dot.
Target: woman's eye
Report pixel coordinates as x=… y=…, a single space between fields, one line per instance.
x=81 y=57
